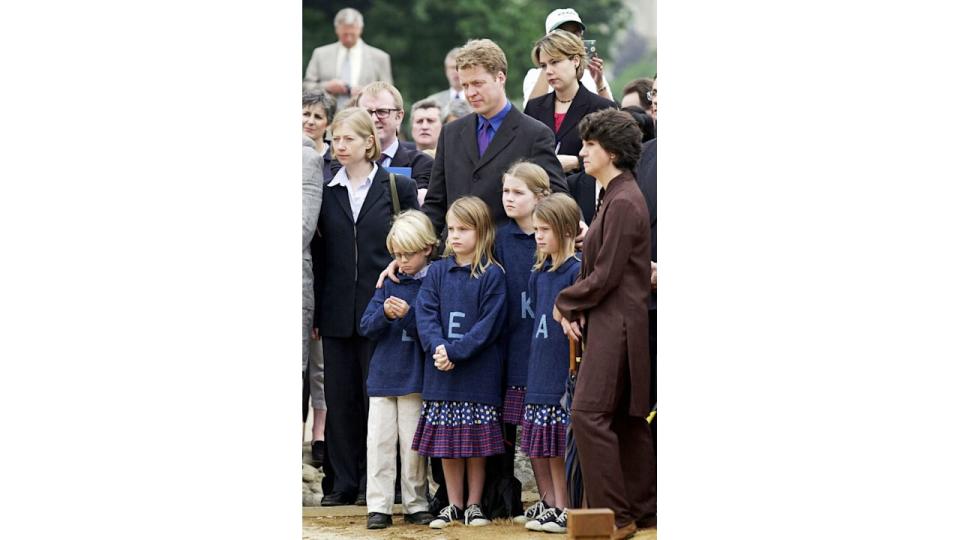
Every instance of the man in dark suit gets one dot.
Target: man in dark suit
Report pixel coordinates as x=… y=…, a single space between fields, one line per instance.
x=646 y=173
x=475 y=151
x=472 y=154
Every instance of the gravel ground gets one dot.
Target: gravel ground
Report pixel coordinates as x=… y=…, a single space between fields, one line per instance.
x=324 y=528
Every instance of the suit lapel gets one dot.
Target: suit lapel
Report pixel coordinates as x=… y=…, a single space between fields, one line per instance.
x=342 y=197
x=377 y=190
x=468 y=138
x=400 y=157
x=501 y=140
x=366 y=65
x=574 y=113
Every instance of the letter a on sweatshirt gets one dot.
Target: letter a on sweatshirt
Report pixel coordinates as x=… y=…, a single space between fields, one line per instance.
x=542 y=327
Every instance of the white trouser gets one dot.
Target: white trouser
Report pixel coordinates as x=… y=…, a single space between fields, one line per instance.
x=389 y=418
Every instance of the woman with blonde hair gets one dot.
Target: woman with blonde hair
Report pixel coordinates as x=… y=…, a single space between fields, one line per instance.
x=563 y=58
x=355 y=218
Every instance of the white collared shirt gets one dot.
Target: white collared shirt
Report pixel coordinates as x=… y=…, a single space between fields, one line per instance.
x=422 y=273
x=356 y=58
x=456 y=95
x=356 y=197
x=389 y=152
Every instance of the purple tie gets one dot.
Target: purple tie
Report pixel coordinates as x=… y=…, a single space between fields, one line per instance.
x=483 y=140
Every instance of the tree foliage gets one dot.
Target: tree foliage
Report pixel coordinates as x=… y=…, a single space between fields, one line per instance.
x=418 y=33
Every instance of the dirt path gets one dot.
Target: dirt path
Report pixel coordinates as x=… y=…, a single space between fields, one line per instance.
x=330 y=527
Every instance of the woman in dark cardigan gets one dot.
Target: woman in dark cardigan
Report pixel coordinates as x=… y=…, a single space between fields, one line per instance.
x=607 y=306
x=563 y=58
x=354 y=221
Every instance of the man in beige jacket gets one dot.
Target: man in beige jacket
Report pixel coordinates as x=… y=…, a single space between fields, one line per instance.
x=344 y=67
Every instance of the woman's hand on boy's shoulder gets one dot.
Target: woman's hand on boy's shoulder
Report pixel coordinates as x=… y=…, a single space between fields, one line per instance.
x=389 y=272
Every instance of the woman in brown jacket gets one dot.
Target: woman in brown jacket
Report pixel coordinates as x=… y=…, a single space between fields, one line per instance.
x=607 y=307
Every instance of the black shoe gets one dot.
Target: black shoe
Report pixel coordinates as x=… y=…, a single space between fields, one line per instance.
x=376 y=520
x=474 y=517
x=446 y=517
x=336 y=499
x=418 y=518
x=317 y=450
x=361 y=499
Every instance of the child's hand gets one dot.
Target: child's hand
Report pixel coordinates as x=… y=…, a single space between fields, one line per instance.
x=389 y=309
x=440 y=359
x=401 y=307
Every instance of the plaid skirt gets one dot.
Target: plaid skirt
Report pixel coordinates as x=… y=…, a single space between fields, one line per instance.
x=513 y=404
x=544 y=431
x=458 y=429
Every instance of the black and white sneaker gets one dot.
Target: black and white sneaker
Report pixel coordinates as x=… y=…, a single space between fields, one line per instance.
x=447 y=516
x=474 y=517
x=530 y=513
x=536 y=524
x=556 y=525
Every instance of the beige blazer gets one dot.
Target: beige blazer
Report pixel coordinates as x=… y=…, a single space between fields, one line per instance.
x=374 y=66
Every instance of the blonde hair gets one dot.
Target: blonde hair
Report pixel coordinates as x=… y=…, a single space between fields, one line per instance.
x=358 y=120
x=532 y=175
x=483 y=53
x=473 y=213
x=562 y=214
x=411 y=232
x=378 y=87
x=561 y=44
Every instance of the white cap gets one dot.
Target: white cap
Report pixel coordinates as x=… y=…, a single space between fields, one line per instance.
x=560 y=16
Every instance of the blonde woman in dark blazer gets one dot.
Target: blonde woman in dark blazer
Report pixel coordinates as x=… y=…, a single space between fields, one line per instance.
x=354 y=221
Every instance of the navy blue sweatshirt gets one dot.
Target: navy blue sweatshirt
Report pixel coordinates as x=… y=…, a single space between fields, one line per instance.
x=549 y=347
x=465 y=315
x=516 y=251
x=396 y=367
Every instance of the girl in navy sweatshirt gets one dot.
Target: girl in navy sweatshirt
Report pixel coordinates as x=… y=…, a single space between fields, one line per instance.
x=556 y=222
x=395 y=378
x=460 y=313
x=524 y=184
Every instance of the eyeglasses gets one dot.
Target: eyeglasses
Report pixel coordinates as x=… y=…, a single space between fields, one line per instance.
x=651 y=94
x=381 y=113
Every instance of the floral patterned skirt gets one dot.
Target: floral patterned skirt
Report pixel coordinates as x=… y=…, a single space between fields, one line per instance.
x=458 y=429
x=513 y=404
x=544 y=431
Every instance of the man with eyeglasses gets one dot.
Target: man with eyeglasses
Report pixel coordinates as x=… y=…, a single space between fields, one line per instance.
x=385 y=105
x=652 y=96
